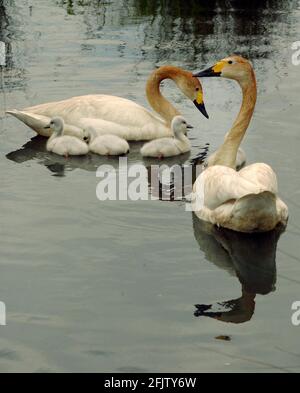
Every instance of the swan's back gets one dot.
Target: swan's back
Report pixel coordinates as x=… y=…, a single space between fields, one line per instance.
x=244 y=201
x=126 y=117
x=93 y=106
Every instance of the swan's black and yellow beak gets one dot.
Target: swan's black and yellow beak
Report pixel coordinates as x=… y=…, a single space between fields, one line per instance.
x=213 y=71
x=199 y=104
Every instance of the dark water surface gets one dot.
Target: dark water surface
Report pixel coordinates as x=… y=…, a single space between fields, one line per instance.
x=93 y=286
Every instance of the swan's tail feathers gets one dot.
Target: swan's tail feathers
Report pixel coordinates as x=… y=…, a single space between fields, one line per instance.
x=255 y=213
x=35 y=122
x=39 y=122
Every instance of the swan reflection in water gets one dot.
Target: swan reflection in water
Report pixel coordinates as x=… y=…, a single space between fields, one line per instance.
x=35 y=150
x=251 y=257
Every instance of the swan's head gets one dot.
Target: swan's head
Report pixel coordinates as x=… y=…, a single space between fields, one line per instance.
x=179 y=125
x=192 y=88
x=232 y=67
x=57 y=125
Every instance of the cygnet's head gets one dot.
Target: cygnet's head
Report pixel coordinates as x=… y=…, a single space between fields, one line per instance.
x=57 y=125
x=179 y=125
x=86 y=136
x=91 y=133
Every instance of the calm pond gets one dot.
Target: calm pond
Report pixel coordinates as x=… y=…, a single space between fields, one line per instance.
x=111 y=286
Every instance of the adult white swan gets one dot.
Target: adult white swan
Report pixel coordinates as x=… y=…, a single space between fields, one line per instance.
x=116 y=115
x=244 y=201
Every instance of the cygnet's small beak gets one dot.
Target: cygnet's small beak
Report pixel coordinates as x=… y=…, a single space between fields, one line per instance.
x=47 y=127
x=189 y=127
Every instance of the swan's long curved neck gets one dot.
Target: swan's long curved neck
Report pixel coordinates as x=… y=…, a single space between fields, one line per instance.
x=226 y=154
x=158 y=102
x=181 y=137
x=57 y=133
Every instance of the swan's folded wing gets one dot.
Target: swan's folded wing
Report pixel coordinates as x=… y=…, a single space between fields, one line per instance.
x=111 y=114
x=110 y=108
x=103 y=127
x=220 y=184
x=70 y=109
x=262 y=175
x=148 y=131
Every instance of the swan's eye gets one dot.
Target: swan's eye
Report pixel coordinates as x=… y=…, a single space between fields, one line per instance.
x=230 y=62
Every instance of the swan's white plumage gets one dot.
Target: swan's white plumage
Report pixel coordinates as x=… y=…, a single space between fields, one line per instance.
x=244 y=201
x=169 y=147
x=222 y=183
x=115 y=115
